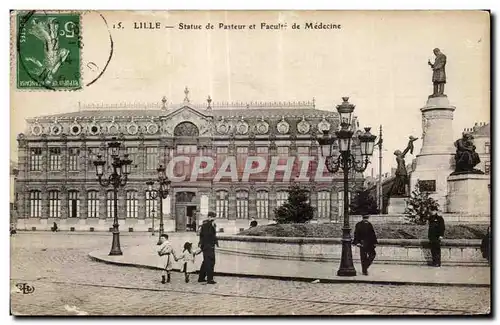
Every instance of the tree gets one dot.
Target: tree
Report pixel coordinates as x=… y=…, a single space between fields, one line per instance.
x=363 y=203
x=419 y=206
x=297 y=208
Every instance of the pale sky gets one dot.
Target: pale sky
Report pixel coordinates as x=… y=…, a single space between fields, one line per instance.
x=378 y=59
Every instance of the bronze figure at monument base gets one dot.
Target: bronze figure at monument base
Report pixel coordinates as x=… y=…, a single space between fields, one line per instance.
x=466 y=157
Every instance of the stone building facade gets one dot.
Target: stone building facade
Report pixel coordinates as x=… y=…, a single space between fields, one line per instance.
x=57 y=177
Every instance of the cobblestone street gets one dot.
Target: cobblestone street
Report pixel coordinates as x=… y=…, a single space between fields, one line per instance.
x=68 y=282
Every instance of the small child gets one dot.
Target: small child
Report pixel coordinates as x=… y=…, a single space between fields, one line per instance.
x=167 y=265
x=187 y=258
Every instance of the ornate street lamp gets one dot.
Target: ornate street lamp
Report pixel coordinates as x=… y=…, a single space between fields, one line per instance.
x=346 y=160
x=161 y=193
x=118 y=178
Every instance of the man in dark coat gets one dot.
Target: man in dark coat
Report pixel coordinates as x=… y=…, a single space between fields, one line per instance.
x=366 y=239
x=435 y=234
x=438 y=73
x=486 y=246
x=207 y=243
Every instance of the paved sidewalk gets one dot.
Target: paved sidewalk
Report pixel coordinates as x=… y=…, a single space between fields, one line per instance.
x=228 y=264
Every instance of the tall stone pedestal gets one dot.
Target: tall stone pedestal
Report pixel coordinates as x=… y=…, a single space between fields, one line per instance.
x=397 y=205
x=436 y=158
x=469 y=194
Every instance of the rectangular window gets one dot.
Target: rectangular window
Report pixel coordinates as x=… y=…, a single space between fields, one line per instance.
x=93 y=204
x=54 y=204
x=110 y=204
x=264 y=150
x=221 y=204
x=151 y=158
x=487 y=147
x=36 y=159
x=132 y=205
x=151 y=205
x=132 y=155
x=324 y=205
x=241 y=158
x=73 y=154
x=303 y=151
x=487 y=167
x=262 y=205
x=242 y=205
x=74 y=204
x=92 y=155
x=283 y=151
x=221 y=156
x=35 y=204
x=281 y=198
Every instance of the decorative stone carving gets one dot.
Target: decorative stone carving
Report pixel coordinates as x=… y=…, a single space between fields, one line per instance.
x=152 y=128
x=262 y=127
x=132 y=128
x=75 y=128
x=223 y=127
x=324 y=125
x=36 y=128
x=93 y=128
x=242 y=127
x=56 y=128
x=303 y=126
x=186 y=129
x=113 y=127
x=283 y=127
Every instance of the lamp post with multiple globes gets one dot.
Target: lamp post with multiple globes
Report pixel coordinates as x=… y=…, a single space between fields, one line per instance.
x=118 y=178
x=345 y=161
x=161 y=193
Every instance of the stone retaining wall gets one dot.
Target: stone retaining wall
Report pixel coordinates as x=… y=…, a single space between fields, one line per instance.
x=389 y=251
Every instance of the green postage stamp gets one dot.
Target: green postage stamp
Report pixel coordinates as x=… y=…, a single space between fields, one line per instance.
x=48 y=50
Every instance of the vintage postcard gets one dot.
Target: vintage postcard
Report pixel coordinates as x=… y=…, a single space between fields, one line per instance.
x=250 y=163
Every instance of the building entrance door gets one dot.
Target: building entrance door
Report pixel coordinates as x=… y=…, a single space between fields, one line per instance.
x=185 y=207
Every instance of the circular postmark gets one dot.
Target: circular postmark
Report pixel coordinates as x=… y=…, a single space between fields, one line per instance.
x=50 y=49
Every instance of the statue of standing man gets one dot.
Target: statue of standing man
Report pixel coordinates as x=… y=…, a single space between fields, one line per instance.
x=438 y=73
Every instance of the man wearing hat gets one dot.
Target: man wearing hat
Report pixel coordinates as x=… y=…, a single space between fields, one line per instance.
x=207 y=243
x=435 y=235
x=366 y=239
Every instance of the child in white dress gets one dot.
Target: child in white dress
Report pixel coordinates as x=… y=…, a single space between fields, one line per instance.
x=167 y=254
x=187 y=259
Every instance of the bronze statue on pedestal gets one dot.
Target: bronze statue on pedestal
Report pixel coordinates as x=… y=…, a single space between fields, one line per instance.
x=438 y=74
x=401 y=182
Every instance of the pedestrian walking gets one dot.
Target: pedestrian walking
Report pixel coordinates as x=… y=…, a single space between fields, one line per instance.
x=366 y=239
x=207 y=243
x=167 y=255
x=435 y=235
x=187 y=258
x=54 y=227
x=486 y=245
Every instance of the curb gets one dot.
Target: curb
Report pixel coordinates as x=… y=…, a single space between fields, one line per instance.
x=294 y=278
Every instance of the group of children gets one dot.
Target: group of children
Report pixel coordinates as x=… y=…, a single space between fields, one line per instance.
x=167 y=253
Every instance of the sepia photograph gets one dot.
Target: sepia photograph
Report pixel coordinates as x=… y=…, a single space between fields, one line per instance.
x=250 y=163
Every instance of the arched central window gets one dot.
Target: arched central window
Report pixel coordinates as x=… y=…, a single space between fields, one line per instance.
x=221 y=204
x=242 y=205
x=186 y=129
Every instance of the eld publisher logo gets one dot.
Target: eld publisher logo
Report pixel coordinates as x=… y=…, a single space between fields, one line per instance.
x=25 y=288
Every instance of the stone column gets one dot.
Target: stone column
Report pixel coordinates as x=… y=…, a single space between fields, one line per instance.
x=142 y=203
x=252 y=202
x=83 y=203
x=45 y=203
x=232 y=204
x=333 y=204
x=211 y=200
x=21 y=204
x=64 y=203
x=122 y=207
x=102 y=203
x=272 y=202
x=313 y=199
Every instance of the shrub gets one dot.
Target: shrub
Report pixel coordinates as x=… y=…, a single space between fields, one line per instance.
x=419 y=206
x=363 y=203
x=296 y=209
